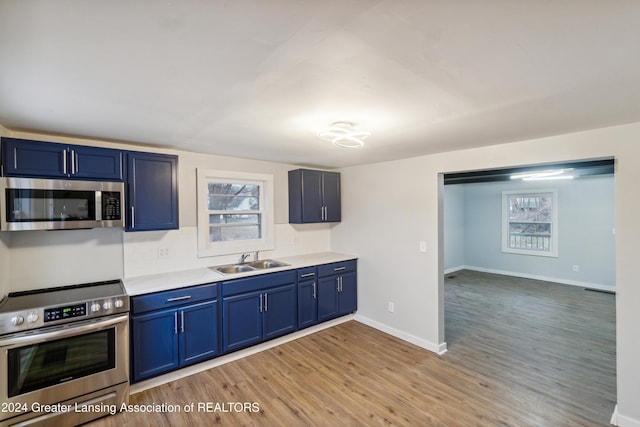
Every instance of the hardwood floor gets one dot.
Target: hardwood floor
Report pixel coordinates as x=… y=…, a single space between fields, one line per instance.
x=523 y=353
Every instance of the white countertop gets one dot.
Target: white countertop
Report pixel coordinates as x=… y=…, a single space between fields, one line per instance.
x=199 y=276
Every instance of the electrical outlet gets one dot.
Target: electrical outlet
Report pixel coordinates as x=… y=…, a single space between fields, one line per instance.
x=391 y=307
x=576 y=268
x=163 y=252
x=423 y=247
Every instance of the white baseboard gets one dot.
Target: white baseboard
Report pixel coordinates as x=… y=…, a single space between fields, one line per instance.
x=620 y=420
x=218 y=361
x=587 y=285
x=427 y=345
x=454 y=269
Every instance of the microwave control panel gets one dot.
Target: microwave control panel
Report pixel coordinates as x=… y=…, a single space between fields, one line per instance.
x=111 y=209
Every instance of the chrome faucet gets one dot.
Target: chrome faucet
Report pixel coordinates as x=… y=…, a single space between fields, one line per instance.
x=243 y=258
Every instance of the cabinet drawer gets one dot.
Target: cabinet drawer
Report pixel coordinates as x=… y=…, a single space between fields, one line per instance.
x=254 y=283
x=336 y=268
x=173 y=298
x=307 y=273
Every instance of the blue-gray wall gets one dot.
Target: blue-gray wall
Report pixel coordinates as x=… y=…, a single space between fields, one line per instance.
x=586 y=225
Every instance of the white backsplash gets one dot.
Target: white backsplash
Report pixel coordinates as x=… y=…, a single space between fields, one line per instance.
x=43 y=259
x=142 y=250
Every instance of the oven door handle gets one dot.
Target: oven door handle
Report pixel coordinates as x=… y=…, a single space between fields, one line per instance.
x=70 y=331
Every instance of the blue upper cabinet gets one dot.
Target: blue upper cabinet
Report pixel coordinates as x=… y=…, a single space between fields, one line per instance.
x=27 y=158
x=152 y=191
x=314 y=196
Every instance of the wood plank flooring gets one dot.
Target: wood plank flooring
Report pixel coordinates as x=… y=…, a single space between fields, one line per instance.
x=521 y=353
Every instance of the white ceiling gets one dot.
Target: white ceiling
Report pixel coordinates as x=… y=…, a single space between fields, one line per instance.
x=255 y=79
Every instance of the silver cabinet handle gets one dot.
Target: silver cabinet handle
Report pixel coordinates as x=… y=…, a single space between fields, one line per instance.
x=64 y=161
x=133 y=217
x=261 y=303
x=182 y=321
x=73 y=162
x=175 y=322
x=326 y=214
x=178 y=298
x=338 y=283
x=314 y=290
x=266 y=302
x=307 y=275
x=339 y=268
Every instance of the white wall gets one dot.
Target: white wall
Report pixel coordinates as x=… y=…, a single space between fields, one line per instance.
x=391 y=206
x=39 y=259
x=454 y=226
x=141 y=248
x=586 y=208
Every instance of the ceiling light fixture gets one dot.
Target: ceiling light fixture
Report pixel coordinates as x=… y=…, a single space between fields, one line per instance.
x=344 y=134
x=543 y=175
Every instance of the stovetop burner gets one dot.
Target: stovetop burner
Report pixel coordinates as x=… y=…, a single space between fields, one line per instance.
x=20 y=311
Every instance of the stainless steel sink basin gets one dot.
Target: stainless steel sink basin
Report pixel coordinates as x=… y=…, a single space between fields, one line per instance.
x=249 y=266
x=267 y=263
x=234 y=268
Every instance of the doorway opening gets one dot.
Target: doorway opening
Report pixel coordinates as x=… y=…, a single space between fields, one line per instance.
x=527 y=318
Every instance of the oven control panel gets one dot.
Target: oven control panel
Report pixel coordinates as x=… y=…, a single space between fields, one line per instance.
x=35 y=318
x=67 y=312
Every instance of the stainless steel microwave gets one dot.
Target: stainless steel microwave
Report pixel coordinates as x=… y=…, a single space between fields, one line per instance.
x=57 y=204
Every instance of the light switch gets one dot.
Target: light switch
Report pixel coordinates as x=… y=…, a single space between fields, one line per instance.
x=423 y=247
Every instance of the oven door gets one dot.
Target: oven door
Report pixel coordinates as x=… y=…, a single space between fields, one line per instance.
x=59 y=363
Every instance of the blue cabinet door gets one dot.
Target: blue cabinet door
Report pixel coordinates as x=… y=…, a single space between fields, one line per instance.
x=152 y=191
x=21 y=157
x=154 y=344
x=314 y=196
x=241 y=320
x=307 y=304
x=26 y=158
x=279 y=311
x=331 y=196
x=311 y=196
x=327 y=298
x=198 y=332
x=96 y=163
x=348 y=295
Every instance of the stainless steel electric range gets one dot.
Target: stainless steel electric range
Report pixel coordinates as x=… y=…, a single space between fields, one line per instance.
x=64 y=354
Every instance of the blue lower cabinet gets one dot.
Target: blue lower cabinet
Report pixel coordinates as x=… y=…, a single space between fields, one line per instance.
x=154 y=344
x=254 y=317
x=242 y=320
x=258 y=308
x=337 y=289
x=307 y=303
x=198 y=333
x=279 y=311
x=166 y=335
x=327 y=298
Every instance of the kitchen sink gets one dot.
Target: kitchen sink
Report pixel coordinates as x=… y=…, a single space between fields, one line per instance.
x=267 y=263
x=249 y=266
x=234 y=268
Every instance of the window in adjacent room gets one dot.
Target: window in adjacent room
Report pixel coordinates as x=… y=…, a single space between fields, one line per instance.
x=235 y=212
x=530 y=222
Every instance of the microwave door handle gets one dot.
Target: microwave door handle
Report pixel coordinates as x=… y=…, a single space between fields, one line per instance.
x=70 y=331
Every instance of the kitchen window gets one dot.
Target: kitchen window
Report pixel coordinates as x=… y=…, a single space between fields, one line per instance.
x=530 y=222
x=235 y=212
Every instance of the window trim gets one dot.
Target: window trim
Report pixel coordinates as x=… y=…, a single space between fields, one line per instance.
x=207 y=248
x=553 y=251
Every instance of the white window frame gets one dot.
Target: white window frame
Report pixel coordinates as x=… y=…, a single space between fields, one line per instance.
x=553 y=245
x=206 y=248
